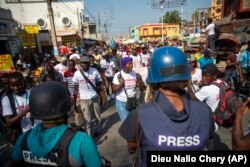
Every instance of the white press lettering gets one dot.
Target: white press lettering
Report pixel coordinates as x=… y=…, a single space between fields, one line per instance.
x=161 y=139
x=179 y=141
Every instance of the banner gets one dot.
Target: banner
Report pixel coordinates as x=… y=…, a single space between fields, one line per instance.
x=31 y=29
x=6 y=63
x=27 y=39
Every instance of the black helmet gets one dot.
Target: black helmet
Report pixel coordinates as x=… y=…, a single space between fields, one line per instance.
x=49 y=100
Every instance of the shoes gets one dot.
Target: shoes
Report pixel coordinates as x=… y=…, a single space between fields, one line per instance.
x=96 y=134
x=96 y=130
x=131 y=151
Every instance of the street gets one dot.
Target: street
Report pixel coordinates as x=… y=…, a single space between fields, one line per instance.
x=111 y=145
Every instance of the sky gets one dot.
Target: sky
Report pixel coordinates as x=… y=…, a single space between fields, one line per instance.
x=121 y=14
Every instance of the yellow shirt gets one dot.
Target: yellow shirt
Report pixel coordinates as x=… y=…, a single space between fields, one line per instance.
x=97 y=57
x=198 y=56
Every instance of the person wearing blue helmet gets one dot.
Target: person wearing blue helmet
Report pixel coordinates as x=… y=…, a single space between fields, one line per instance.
x=171 y=120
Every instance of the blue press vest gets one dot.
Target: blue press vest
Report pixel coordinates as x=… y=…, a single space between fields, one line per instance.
x=166 y=130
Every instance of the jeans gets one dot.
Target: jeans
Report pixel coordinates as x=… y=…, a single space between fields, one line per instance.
x=211 y=42
x=121 y=109
x=232 y=79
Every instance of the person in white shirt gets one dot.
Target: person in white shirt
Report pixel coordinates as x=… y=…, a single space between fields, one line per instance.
x=211 y=34
x=109 y=68
x=145 y=57
x=209 y=92
x=62 y=66
x=196 y=75
x=125 y=79
x=88 y=94
x=75 y=55
x=137 y=60
x=20 y=116
x=128 y=54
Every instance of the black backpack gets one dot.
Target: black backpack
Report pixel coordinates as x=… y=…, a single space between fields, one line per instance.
x=227 y=107
x=59 y=154
x=217 y=31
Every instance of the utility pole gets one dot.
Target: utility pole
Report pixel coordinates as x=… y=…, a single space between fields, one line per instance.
x=99 y=24
x=52 y=26
x=162 y=38
x=182 y=20
x=106 y=26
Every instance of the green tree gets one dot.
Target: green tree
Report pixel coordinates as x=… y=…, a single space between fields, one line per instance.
x=172 y=17
x=196 y=16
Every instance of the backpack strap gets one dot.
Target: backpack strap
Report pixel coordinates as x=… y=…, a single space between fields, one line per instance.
x=60 y=152
x=12 y=103
x=24 y=145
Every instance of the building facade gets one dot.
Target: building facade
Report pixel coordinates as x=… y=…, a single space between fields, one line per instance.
x=216 y=9
x=134 y=33
x=236 y=19
x=153 y=31
x=69 y=21
x=9 y=41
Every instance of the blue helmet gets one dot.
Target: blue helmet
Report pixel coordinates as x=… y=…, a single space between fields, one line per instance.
x=168 y=64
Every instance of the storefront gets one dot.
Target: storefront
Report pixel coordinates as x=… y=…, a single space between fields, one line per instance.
x=9 y=42
x=68 y=37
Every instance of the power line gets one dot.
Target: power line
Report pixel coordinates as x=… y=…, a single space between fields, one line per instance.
x=107 y=4
x=89 y=13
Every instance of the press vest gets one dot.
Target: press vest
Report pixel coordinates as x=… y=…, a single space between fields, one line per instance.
x=57 y=157
x=165 y=129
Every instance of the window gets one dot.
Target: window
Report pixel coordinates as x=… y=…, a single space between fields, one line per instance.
x=218 y=2
x=68 y=40
x=218 y=10
x=156 y=31
x=145 y=31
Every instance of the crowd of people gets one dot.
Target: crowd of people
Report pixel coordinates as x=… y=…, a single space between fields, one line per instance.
x=165 y=96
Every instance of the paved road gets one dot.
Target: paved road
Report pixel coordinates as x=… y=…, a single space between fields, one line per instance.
x=110 y=144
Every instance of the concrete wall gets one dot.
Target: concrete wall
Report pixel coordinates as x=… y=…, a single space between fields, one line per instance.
x=29 y=13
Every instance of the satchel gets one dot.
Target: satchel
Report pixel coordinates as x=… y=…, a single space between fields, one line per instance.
x=131 y=103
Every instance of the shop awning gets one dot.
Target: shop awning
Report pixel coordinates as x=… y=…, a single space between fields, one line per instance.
x=230 y=37
x=197 y=40
x=89 y=41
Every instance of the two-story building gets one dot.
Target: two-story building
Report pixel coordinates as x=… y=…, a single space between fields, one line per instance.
x=236 y=19
x=8 y=38
x=69 y=22
x=154 y=31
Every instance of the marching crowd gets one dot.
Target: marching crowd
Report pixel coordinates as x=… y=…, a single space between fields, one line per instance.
x=166 y=98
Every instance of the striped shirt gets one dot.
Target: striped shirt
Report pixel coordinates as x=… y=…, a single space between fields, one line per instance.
x=68 y=75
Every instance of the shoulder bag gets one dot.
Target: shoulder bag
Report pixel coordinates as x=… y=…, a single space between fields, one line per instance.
x=131 y=101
